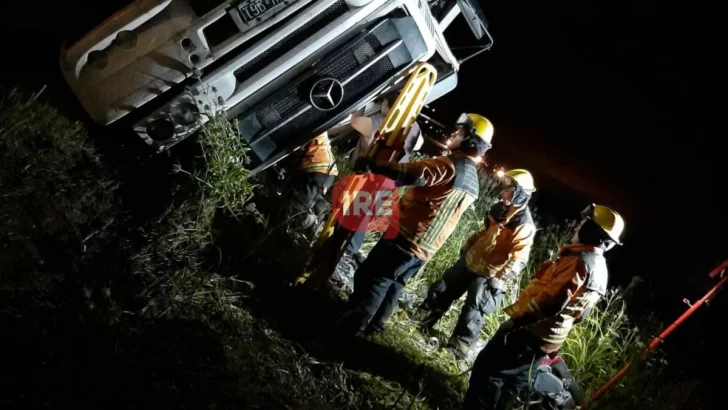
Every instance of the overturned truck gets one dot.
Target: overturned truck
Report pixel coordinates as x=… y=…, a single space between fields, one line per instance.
x=283 y=70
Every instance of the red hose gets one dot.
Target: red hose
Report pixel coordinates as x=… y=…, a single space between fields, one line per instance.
x=656 y=341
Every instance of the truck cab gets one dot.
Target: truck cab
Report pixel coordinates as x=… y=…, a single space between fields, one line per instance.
x=283 y=70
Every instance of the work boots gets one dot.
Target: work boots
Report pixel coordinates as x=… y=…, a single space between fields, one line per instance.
x=427 y=319
x=344 y=273
x=457 y=349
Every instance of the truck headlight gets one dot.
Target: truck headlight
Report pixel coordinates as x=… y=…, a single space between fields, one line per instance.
x=160 y=130
x=357 y=3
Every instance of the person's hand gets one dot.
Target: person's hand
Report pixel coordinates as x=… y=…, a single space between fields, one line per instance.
x=507 y=326
x=364 y=165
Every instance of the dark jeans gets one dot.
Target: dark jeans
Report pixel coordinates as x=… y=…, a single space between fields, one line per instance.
x=502 y=369
x=356 y=241
x=378 y=284
x=559 y=369
x=481 y=301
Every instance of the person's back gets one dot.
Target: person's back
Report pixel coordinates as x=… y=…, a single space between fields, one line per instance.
x=579 y=273
x=441 y=190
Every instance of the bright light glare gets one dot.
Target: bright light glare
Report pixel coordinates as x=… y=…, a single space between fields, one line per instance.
x=500 y=173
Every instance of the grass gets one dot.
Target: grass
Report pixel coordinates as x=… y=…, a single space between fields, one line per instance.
x=186 y=309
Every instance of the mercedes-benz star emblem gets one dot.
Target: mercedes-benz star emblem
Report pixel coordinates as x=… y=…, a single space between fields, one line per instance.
x=326 y=94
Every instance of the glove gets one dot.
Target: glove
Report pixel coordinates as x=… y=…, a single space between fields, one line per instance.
x=364 y=165
x=507 y=326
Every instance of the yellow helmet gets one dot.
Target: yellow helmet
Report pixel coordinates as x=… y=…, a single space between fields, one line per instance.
x=522 y=178
x=608 y=219
x=477 y=125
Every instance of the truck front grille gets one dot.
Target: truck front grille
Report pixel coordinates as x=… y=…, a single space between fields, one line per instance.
x=287 y=43
x=362 y=66
x=376 y=75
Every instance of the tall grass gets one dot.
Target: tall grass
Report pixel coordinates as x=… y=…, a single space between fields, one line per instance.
x=226 y=180
x=264 y=360
x=52 y=184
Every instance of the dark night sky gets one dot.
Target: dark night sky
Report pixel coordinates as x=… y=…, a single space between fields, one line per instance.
x=613 y=102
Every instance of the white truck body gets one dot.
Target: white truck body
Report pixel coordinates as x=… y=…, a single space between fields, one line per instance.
x=164 y=65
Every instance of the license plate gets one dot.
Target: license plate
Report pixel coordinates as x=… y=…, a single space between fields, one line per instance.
x=260 y=9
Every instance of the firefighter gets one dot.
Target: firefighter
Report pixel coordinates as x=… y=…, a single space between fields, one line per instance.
x=317 y=171
x=440 y=190
x=367 y=127
x=488 y=260
x=562 y=292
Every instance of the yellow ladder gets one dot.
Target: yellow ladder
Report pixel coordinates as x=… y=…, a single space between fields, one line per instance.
x=388 y=146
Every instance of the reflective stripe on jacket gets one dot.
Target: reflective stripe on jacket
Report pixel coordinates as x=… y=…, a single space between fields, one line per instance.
x=442 y=189
x=503 y=248
x=318 y=156
x=562 y=289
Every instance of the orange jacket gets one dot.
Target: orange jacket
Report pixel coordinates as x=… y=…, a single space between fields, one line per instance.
x=441 y=189
x=318 y=156
x=561 y=290
x=503 y=248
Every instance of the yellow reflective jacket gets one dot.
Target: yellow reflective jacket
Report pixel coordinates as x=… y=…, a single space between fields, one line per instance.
x=561 y=291
x=318 y=156
x=503 y=248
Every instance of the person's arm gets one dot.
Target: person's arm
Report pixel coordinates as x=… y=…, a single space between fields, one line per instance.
x=414 y=139
x=428 y=172
x=520 y=251
x=566 y=287
x=363 y=125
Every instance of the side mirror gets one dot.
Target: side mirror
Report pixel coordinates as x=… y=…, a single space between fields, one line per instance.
x=475 y=18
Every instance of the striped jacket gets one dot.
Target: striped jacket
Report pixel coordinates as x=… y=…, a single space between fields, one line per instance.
x=318 y=156
x=441 y=189
x=561 y=291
